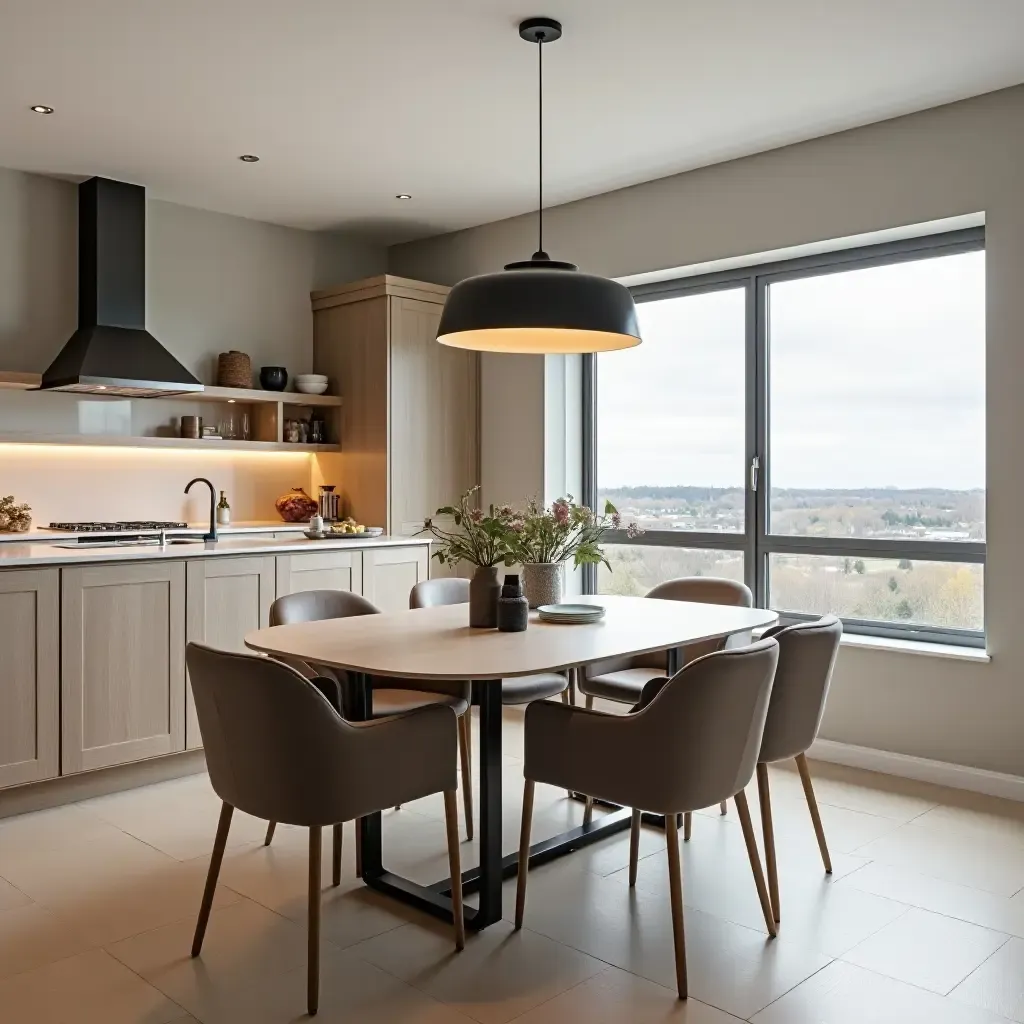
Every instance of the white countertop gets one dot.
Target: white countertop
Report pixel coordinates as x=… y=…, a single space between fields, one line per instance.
x=36 y=534
x=24 y=556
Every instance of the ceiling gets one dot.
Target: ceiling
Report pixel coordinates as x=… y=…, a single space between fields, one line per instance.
x=349 y=103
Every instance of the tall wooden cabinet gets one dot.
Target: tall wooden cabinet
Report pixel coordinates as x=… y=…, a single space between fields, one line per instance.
x=410 y=422
x=29 y=676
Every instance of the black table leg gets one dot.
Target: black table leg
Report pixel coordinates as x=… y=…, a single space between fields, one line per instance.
x=490 y=873
x=370 y=843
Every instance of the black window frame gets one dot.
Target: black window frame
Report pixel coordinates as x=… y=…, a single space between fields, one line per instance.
x=756 y=542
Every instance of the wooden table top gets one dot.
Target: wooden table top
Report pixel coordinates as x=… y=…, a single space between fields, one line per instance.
x=438 y=643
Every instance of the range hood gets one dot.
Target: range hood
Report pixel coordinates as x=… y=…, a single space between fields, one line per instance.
x=112 y=353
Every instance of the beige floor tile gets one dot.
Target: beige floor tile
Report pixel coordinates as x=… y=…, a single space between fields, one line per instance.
x=56 y=828
x=92 y=988
x=988 y=818
x=615 y=997
x=845 y=994
x=10 y=897
x=32 y=936
x=994 y=865
x=736 y=969
x=927 y=950
x=499 y=976
x=998 y=984
x=960 y=901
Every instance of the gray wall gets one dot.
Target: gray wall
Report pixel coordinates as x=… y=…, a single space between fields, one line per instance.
x=954 y=160
x=213 y=281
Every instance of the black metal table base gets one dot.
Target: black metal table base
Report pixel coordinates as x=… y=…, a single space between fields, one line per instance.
x=494 y=868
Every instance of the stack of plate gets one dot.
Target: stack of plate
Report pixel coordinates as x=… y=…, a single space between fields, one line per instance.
x=311 y=383
x=571 y=614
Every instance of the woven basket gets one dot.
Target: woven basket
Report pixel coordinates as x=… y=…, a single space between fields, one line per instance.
x=234 y=370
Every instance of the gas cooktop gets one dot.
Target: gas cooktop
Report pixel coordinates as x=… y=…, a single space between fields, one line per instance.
x=119 y=527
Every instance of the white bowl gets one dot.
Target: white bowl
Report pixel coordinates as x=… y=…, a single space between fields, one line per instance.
x=311 y=378
x=311 y=387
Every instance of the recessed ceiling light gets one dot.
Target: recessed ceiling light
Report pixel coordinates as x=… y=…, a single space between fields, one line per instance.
x=249 y=158
x=403 y=195
x=40 y=109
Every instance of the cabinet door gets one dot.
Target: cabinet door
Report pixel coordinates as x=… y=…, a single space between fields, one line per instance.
x=225 y=598
x=320 y=570
x=29 y=676
x=122 y=663
x=390 y=573
x=434 y=427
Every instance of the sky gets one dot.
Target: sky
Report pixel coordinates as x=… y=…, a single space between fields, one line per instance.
x=877 y=379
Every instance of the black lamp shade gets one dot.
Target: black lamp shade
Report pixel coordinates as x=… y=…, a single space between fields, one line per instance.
x=539 y=311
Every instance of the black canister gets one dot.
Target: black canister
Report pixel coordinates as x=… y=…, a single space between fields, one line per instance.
x=513 y=607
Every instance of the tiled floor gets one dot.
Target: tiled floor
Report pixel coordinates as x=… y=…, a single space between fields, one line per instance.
x=922 y=920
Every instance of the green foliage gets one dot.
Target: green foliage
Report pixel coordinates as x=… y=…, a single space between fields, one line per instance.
x=893 y=585
x=478 y=538
x=859 y=567
x=905 y=564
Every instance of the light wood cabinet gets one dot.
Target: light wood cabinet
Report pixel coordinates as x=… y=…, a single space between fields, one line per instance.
x=410 y=421
x=29 y=676
x=122 y=663
x=390 y=573
x=320 y=570
x=225 y=598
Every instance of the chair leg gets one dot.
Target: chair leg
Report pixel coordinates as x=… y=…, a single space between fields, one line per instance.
x=465 y=752
x=313 y=933
x=271 y=826
x=226 y=810
x=675 y=885
x=336 y=856
x=687 y=826
x=764 y=799
x=524 y=852
x=755 y=861
x=634 y=845
x=451 y=820
x=588 y=811
x=590 y=703
x=723 y=807
x=812 y=806
x=359 y=847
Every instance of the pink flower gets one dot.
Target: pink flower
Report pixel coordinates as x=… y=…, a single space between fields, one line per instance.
x=616 y=521
x=632 y=530
x=560 y=510
x=476 y=515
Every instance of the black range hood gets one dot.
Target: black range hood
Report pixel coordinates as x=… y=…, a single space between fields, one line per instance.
x=112 y=353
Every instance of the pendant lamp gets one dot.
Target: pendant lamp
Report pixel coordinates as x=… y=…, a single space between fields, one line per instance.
x=539 y=305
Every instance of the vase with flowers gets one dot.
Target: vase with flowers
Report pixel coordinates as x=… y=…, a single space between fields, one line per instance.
x=481 y=539
x=543 y=539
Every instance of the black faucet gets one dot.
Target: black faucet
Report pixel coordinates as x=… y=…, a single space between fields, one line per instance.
x=212 y=535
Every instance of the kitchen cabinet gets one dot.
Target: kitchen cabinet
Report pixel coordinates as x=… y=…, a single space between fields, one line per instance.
x=320 y=570
x=390 y=573
x=410 y=419
x=122 y=663
x=29 y=679
x=225 y=598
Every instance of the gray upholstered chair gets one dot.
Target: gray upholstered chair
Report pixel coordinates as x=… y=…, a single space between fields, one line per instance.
x=807 y=655
x=694 y=743
x=276 y=749
x=388 y=698
x=623 y=679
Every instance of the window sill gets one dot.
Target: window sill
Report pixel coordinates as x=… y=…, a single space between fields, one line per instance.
x=884 y=643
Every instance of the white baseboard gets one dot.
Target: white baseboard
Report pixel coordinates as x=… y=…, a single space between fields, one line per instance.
x=942 y=773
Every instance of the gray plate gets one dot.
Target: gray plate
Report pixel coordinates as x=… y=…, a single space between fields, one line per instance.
x=571 y=614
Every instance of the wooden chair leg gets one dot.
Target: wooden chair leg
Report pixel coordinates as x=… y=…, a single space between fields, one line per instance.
x=634 y=845
x=687 y=826
x=313 y=933
x=524 y=852
x=764 y=799
x=588 y=811
x=359 y=847
x=465 y=752
x=675 y=885
x=271 y=827
x=755 y=861
x=723 y=807
x=812 y=806
x=451 y=820
x=336 y=856
x=221 y=840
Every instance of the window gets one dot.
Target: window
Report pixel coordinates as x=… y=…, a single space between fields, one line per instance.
x=815 y=427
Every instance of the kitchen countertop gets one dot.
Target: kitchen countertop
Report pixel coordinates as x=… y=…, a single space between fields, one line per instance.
x=26 y=556
x=253 y=526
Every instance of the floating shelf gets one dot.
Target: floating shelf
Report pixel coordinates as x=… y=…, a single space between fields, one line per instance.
x=127 y=441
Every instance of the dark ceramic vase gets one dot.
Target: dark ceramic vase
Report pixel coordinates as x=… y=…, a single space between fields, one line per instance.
x=513 y=607
x=273 y=378
x=484 y=589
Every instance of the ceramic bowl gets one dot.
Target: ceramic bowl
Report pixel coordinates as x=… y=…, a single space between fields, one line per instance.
x=311 y=387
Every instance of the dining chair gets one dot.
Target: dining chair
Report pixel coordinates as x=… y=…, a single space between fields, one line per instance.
x=807 y=655
x=694 y=743
x=623 y=679
x=388 y=699
x=276 y=749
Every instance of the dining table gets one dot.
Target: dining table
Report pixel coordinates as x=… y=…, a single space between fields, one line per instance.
x=439 y=644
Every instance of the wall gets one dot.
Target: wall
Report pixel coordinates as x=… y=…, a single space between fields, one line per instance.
x=213 y=282
x=955 y=160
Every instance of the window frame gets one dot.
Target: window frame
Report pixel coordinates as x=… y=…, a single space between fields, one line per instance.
x=756 y=542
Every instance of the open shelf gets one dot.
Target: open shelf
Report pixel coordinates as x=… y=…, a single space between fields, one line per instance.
x=128 y=441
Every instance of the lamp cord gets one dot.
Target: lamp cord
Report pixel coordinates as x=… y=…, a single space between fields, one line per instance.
x=540 y=144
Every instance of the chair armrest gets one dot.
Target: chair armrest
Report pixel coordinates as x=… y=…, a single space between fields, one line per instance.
x=651 y=690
